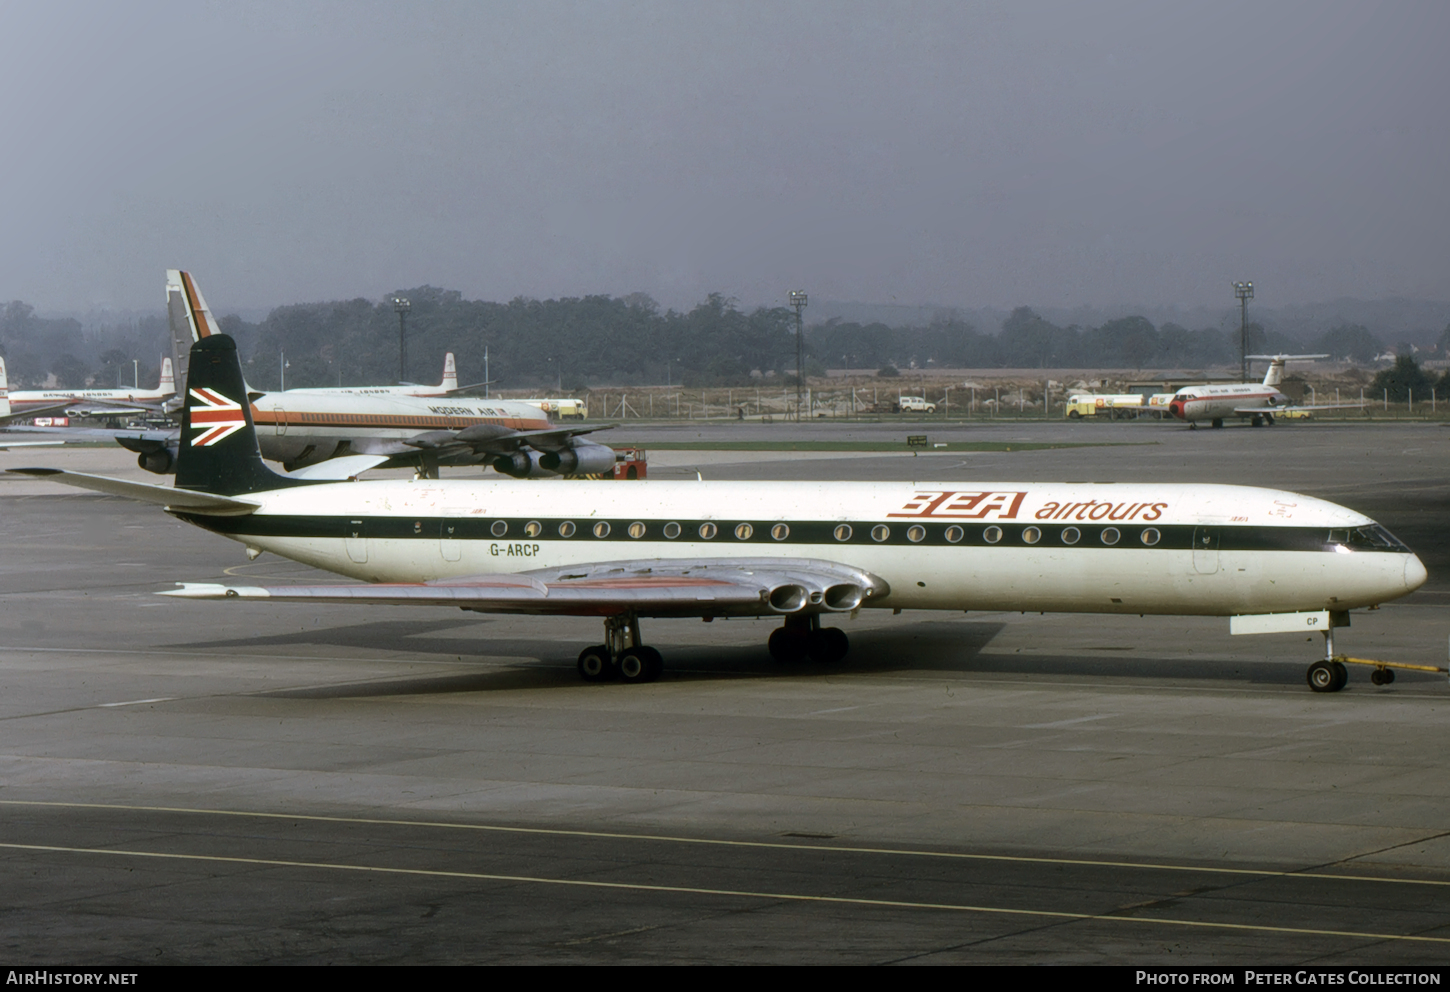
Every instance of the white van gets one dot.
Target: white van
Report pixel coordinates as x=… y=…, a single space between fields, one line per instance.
x=914 y=404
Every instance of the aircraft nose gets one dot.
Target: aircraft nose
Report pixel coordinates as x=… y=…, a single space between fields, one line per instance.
x=1415 y=573
x=1176 y=408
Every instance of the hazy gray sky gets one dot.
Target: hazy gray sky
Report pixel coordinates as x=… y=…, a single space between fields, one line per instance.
x=977 y=154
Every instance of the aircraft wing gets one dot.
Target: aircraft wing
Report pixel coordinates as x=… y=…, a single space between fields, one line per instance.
x=102 y=408
x=557 y=437
x=40 y=411
x=1287 y=409
x=652 y=587
x=6 y=444
x=145 y=492
x=484 y=439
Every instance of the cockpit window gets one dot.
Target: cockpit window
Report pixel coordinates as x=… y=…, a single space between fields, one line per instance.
x=1371 y=537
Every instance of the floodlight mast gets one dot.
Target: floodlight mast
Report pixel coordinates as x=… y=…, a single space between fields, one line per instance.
x=1245 y=292
x=798 y=300
x=402 y=306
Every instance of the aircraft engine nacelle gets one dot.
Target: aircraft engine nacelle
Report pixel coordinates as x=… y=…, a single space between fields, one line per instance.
x=162 y=460
x=521 y=465
x=581 y=458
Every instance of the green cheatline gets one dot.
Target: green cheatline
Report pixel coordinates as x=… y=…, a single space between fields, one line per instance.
x=857 y=445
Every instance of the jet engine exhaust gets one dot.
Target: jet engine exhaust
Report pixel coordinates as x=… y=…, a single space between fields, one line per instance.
x=844 y=597
x=788 y=599
x=585 y=458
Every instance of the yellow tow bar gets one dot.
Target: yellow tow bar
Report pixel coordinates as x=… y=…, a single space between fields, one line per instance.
x=1383 y=665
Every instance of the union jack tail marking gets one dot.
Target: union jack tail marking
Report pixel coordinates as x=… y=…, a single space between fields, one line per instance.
x=215 y=416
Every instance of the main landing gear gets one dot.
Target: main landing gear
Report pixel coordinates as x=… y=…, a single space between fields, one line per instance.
x=803 y=637
x=622 y=656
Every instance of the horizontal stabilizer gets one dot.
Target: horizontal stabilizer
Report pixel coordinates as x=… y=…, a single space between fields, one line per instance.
x=145 y=492
x=339 y=469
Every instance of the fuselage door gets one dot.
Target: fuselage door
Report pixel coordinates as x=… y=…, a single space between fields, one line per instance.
x=280 y=413
x=355 y=536
x=448 y=544
x=1205 y=550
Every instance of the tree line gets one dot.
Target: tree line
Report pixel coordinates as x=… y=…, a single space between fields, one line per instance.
x=570 y=344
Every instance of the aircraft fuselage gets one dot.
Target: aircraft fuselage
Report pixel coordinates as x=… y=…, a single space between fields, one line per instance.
x=1106 y=548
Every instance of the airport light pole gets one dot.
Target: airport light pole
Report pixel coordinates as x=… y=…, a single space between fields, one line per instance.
x=1245 y=292
x=401 y=306
x=798 y=300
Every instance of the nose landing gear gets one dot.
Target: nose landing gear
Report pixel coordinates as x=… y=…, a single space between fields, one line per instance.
x=1330 y=674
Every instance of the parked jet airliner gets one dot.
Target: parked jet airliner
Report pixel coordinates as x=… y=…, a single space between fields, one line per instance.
x=803 y=552
x=1256 y=402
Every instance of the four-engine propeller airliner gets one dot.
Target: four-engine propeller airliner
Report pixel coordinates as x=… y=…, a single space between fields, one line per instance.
x=21 y=403
x=803 y=552
x=1255 y=402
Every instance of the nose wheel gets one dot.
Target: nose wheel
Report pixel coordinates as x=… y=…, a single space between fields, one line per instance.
x=1327 y=676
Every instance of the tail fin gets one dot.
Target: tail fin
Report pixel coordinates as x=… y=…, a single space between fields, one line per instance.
x=189 y=318
x=450 y=373
x=1275 y=375
x=167 y=385
x=218 y=450
x=4 y=391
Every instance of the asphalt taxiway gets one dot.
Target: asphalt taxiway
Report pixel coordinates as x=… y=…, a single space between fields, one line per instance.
x=214 y=782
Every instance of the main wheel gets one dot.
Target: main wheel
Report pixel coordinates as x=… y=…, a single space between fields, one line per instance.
x=640 y=664
x=1217 y=421
x=786 y=645
x=595 y=665
x=1323 y=678
x=827 y=645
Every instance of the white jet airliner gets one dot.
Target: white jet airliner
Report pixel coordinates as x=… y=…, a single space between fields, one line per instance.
x=803 y=552
x=1256 y=402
